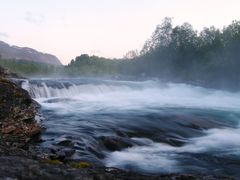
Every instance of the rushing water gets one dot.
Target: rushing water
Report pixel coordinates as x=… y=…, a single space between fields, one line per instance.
x=148 y=127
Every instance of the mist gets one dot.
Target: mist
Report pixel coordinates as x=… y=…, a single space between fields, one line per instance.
x=209 y=58
x=172 y=107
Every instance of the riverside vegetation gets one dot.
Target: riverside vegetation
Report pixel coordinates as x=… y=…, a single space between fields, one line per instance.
x=181 y=54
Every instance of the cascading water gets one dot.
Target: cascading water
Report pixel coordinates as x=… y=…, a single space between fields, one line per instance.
x=51 y=88
x=147 y=126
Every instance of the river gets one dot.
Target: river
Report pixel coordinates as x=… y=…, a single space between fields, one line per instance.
x=144 y=126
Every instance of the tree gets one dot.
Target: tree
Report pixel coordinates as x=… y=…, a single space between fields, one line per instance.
x=160 y=37
x=131 y=54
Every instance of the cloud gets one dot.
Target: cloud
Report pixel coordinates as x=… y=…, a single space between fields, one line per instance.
x=34 y=18
x=4 y=35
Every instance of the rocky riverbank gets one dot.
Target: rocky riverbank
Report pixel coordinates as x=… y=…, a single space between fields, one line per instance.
x=22 y=168
x=17 y=115
x=20 y=160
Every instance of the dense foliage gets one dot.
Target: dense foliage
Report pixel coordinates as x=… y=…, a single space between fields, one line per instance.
x=30 y=68
x=180 y=53
x=86 y=65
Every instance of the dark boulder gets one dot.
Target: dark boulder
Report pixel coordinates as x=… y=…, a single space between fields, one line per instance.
x=113 y=143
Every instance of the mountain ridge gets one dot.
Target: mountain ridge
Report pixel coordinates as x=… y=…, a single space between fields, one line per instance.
x=25 y=53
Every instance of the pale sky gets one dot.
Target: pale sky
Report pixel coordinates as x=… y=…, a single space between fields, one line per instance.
x=110 y=28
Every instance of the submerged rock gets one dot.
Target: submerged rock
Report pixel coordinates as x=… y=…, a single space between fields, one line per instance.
x=113 y=143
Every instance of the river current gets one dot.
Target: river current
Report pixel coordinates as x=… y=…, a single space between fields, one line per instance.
x=143 y=126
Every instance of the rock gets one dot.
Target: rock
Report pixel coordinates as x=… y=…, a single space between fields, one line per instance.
x=113 y=143
x=66 y=142
x=80 y=165
x=17 y=115
x=8 y=129
x=15 y=167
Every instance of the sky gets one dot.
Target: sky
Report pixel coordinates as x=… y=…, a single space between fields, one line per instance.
x=109 y=28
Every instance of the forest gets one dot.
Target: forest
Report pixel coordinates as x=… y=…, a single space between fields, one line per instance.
x=30 y=68
x=210 y=57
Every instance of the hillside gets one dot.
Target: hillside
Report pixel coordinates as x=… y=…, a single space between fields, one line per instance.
x=25 y=53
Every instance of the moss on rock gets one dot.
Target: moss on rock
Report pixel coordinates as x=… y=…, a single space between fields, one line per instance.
x=80 y=164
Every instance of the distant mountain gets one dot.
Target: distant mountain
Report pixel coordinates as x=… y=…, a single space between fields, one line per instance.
x=25 y=53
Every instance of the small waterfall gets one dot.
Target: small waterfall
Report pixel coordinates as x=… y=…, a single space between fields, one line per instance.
x=132 y=94
x=48 y=89
x=25 y=85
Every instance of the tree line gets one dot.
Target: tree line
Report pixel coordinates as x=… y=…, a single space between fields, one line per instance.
x=179 y=53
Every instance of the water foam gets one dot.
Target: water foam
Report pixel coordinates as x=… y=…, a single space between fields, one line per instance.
x=80 y=99
x=137 y=95
x=160 y=157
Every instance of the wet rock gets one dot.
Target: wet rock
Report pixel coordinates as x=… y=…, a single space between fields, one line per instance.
x=67 y=143
x=112 y=143
x=56 y=100
x=23 y=168
x=17 y=115
x=80 y=164
x=55 y=153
